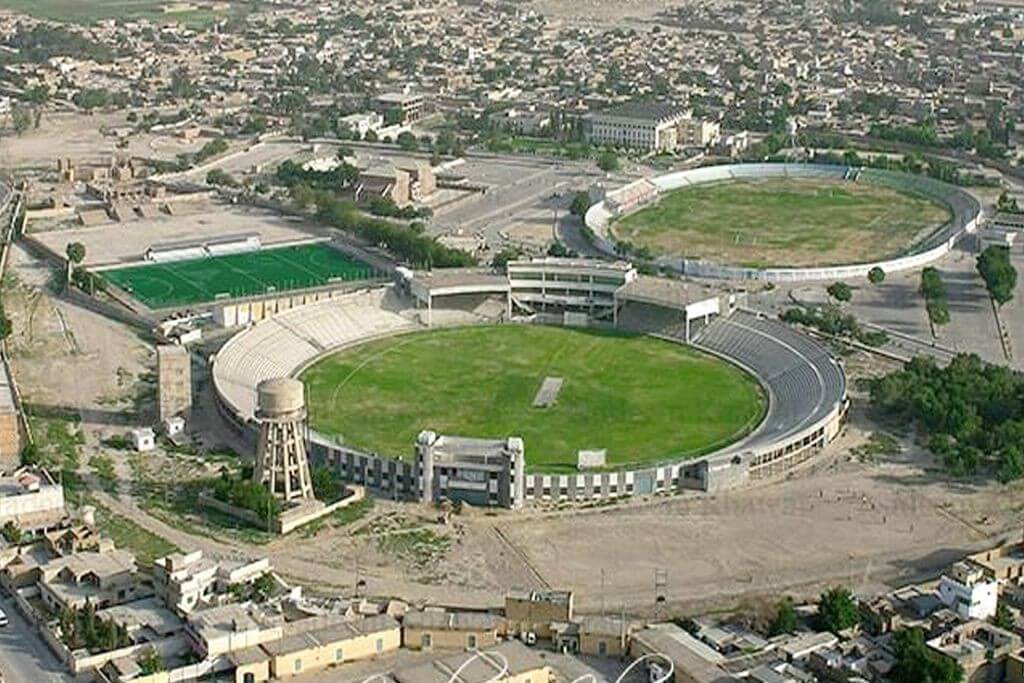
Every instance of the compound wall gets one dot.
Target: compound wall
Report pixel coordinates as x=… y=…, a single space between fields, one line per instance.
x=966 y=211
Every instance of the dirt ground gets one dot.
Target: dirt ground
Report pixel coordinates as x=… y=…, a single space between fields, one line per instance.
x=127 y=242
x=603 y=12
x=81 y=137
x=65 y=357
x=868 y=523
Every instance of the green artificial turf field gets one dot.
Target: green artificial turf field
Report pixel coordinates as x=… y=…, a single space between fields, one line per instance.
x=783 y=222
x=180 y=283
x=643 y=399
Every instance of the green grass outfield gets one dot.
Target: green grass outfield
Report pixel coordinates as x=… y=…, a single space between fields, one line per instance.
x=783 y=222
x=643 y=399
x=90 y=11
x=180 y=283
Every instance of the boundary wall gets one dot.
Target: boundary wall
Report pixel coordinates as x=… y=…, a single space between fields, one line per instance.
x=730 y=467
x=966 y=210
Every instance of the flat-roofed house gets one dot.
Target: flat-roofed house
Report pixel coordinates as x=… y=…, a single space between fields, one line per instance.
x=101 y=578
x=332 y=645
x=187 y=581
x=439 y=629
x=535 y=611
x=509 y=662
x=31 y=500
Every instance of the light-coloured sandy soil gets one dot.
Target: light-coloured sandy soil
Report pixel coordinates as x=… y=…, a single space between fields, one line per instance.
x=870 y=525
x=85 y=137
x=126 y=242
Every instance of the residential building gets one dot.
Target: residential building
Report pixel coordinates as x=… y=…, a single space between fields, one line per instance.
x=535 y=611
x=363 y=123
x=400 y=107
x=439 y=629
x=509 y=662
x=332 y=645
x=980 y=648
x=593 y=635
x=673 y=649
x=969 y=592
x=100 y=578
x=186 y=582
x=31 y=499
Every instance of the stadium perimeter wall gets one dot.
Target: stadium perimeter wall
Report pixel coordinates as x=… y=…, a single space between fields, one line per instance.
x=729 y=468
x=966 y=210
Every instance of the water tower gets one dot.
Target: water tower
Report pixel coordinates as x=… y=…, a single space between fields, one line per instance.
x=281 y=463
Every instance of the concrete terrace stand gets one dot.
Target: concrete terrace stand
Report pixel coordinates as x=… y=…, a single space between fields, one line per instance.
x=966 y=210
x=806 y=387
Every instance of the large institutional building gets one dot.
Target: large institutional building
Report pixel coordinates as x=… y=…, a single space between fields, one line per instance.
x=649 y=126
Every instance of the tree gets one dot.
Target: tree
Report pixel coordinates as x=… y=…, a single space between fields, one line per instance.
x=76 y=254
x=150 y=662
x=263 y=587
x=1003 y=617
x=785 y=618
x=502 y=258
x=917 y=663
x=407 y=141
x=933 y=289
x=326 y=484
x=608 y=161
x=303 y=196
x=998 y=273
x=181 y=85
x=5 y=325
x=840 y=291
x=221 y=178
x=580 y=204
x=12 y=532
x=21 y=118
x=876 y=276
x=837 y=610
x=559 y=250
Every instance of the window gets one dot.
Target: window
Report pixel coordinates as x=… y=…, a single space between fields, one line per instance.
x=339 y=656
x=380 y=645
x=249 y=678
x=471 y=641
x=298 y=665
x=602 y=647
x=426 y=641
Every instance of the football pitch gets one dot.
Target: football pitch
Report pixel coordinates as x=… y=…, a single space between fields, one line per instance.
x=180 y=283
x=644 y=400
x=783 y=222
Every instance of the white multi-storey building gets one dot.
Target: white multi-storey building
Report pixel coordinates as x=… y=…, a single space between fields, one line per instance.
x=969 y=592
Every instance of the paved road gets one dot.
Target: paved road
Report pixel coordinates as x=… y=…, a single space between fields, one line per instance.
x=24 y=657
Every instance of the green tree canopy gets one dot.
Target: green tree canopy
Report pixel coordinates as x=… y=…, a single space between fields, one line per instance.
x=608 y=161
x=998 y=273
x=917 y=663
x=784 y=620
x=837 y=609
x=840 y=291
x=580 y=204
x=75 y=252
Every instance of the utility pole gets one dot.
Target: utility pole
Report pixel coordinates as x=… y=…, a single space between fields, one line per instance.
x=602 y=592
x=660 y=589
